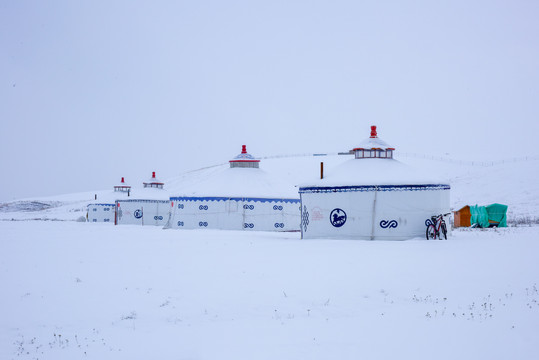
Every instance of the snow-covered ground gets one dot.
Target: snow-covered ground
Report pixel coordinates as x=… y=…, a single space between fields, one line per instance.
x=75 y=290
x=81 y=290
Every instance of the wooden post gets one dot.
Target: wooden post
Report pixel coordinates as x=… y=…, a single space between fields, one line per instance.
x=321 y=170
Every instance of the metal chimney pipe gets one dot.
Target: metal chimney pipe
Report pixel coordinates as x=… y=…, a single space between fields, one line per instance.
x=321 y=170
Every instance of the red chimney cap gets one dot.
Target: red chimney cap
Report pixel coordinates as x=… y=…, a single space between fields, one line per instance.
x=244 y=149
x=153 y=174
x=123 y=181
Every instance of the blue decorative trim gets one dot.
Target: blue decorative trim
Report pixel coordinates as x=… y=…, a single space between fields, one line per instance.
x=246 y=199
x=145 y=201
x=366 y=188
x=100 y=205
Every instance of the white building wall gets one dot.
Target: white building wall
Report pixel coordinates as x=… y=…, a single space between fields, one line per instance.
x=101 y=213
x=142 y=212
x=235 y=213
x=371 y=212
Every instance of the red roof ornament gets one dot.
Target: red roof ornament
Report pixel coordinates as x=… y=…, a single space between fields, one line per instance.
x=374 y=134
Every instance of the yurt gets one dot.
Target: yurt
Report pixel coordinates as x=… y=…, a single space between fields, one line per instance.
x=103 y=209
x=101 y=212
x=241 y=196
x=372 y=197
x=147 y=206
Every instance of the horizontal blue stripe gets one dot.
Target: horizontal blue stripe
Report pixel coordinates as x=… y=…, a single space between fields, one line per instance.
x=247 y=199
x=101 y=204
x=364 y=188
x=145 y=201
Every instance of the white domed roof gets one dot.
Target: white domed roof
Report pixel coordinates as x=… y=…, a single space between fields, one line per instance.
x=374 y=171
x=235 y=182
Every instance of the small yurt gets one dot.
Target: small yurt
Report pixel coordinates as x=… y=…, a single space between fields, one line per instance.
x=103 y=209
x=239 y=197
x=147 y=206
x=101 y=212
x=371 y=197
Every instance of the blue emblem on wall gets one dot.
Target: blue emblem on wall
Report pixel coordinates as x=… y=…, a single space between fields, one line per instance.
x=203 y=207
x=337 y=217
x=138 y=213
x=384 y=224
x=158 y=217
x=278 y=207
x=304 y=218
x=248 y=207
x=279 y=225
x=248 y=225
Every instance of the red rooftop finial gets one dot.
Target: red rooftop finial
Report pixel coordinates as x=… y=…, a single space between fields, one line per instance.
x=373 y=132
x=123 y=180
x=244 y=149
x=153 y=174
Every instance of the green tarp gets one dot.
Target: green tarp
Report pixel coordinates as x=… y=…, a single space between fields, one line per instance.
x=479 y=216
x=496 y=213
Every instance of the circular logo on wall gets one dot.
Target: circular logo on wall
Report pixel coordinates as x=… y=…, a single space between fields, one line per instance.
x=138 y=213
x=337 y=217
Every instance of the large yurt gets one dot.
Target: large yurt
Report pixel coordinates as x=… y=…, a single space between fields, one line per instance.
x=241 y=196
x=147 y=206
x=103 y=209
x=371 y=196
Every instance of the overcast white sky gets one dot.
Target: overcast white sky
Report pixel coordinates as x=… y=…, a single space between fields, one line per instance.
x=94 y=90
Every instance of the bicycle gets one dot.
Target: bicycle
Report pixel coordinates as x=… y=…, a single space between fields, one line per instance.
x=436 y=227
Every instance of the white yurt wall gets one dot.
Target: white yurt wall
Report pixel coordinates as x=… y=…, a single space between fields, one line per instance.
x=235 y=213
x=101 y=213
x=142 y=212
x=371 y=212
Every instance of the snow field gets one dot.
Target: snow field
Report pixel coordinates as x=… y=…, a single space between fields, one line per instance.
x=95 y=291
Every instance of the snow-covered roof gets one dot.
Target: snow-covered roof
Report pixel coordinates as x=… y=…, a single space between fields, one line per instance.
x=153 y=180
x=234 y=182
x=374 y=172
x=122 y=184
x=373 y=142
x=134 y=194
